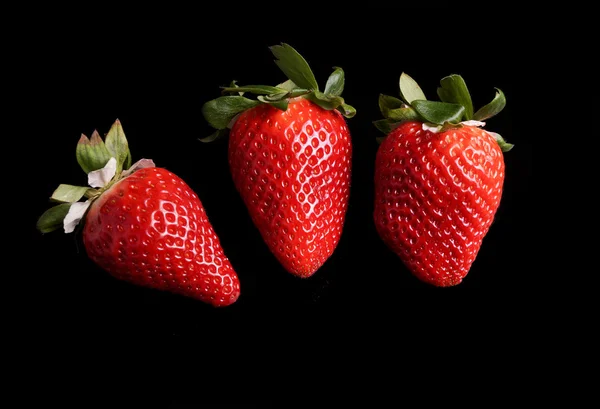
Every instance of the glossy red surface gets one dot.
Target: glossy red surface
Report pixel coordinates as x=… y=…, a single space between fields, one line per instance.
x=293 y=171
x=436 y=195
x=151 y=229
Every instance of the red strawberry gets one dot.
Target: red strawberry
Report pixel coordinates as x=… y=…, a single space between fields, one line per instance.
x=290 y=159
x=144 y=225
x=438 y=179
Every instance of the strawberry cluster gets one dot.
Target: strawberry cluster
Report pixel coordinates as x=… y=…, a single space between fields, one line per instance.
x=438 y=182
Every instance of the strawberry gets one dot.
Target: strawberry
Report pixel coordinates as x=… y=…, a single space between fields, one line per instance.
x=438 y=178
x=290 y=159
x=142 y=224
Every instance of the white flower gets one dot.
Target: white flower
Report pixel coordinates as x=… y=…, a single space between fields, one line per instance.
x=140 y=164
x=100 y=177
x=76 y=212
x=430 y=128
x=473 y=123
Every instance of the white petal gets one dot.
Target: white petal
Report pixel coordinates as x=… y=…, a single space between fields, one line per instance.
x=100 y=177
x=473 y=123
x=74 y=216
x=140 y=164
x=434 y=129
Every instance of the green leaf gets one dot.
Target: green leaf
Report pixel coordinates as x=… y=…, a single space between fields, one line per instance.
x=504 y=146
x=347 y=110
x=219 y=112
x=410 y=90
x=117 y=145
x=292 y=89
x=297 y=92
x=255 y=89
x=233 y=84
x=277 y=103
x=92 y=154
x=395 y=109
x=128 y=161
x=386 y=125
x=69 y=193
x=491 y=109
x=218 y=134
x=387 y=102
x=325 y=101
x=438 y=112
x=294 y=66
x=53 y=218
x=287 y=85
x=330 y=102
x=274 y=97
x=403 y=114
x=335 y=82
x=454 y=90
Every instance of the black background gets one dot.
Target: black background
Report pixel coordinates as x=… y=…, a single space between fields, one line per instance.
x=153 y=69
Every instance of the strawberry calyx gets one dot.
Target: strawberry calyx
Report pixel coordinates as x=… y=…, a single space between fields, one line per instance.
x=301 y=83
x=105 y=162
x=454 y=110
